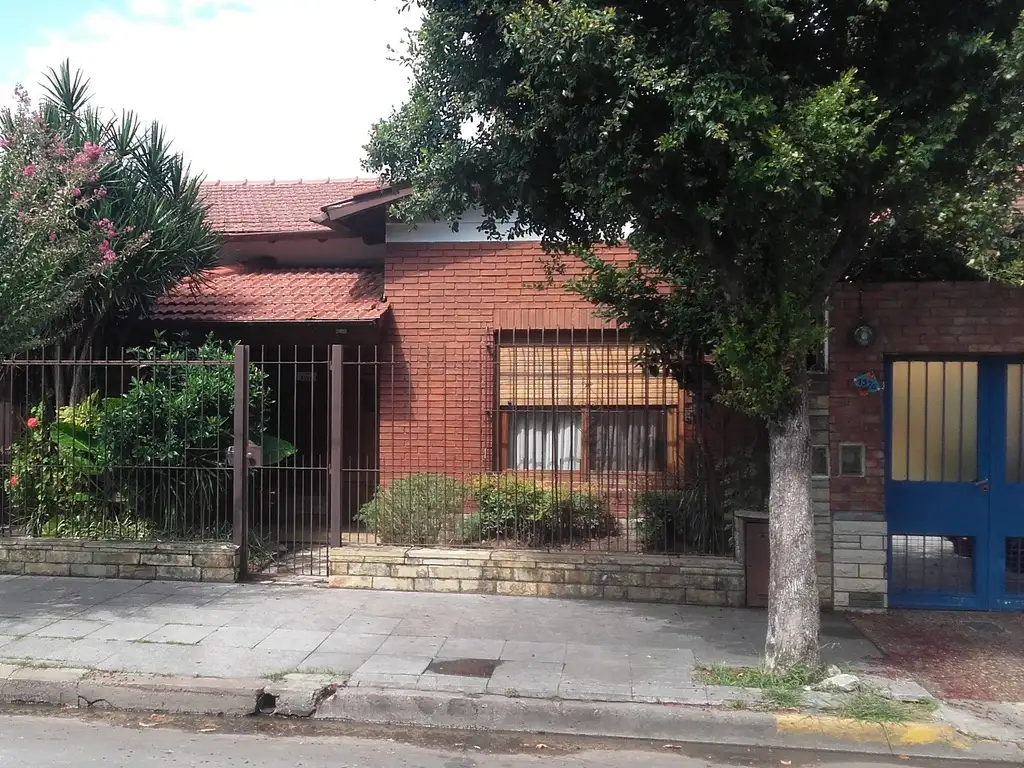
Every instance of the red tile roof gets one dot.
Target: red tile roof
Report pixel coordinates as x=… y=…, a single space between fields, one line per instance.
x=241 y=294
x=276 y=207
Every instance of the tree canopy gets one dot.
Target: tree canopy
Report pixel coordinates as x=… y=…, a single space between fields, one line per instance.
x=146 y=187
x=47 y=257
x=756 y=151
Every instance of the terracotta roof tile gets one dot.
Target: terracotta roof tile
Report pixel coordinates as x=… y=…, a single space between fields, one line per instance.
x=240 y=294
x=271 y=207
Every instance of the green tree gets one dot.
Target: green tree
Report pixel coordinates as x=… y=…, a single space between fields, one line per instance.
x=47 y=258
x=757 y=152
x=146 y=188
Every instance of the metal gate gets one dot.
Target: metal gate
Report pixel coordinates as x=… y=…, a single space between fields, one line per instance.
x=954 y=493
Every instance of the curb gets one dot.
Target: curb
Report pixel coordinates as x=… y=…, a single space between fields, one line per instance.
x=87 y=689
x=660 y=722
x=307 y=697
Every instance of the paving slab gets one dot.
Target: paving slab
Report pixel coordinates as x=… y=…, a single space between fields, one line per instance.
x=293 y=640
x=381 y=664
x=125 y=630
x=470 y=648
x=518 y=650
x=411 y=645
x=341 y=641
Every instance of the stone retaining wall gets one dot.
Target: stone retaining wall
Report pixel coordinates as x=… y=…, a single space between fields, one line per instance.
x=608 y=576
x=171 y=561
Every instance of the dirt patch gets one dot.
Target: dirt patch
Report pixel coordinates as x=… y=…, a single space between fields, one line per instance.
x=955 y=655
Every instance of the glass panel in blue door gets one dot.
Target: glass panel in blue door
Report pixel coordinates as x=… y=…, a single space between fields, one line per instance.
x=934 y=421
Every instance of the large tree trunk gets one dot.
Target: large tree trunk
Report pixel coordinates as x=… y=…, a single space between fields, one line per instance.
x=793 y=610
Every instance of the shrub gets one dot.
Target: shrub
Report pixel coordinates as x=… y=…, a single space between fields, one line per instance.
x=509 y=507
x=420 y=509
x=533 y=514
x=679 y=521
x=53 y=473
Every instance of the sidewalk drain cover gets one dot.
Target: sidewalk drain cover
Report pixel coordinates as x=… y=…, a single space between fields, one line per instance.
x=463 y=667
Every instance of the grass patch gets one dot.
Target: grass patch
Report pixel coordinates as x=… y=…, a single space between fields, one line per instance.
x=757 y=677
x=874 y=708
x=781 y=698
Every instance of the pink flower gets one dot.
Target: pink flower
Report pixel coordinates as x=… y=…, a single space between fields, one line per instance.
x=15 y=195
x=92 y=151
x=13 y=481
x=76 y=192
x=107 y=253
x=107 y=226
x=29 y=169
x=80 y=160
x=32 y=422
x=53 y=236
x=101 y=192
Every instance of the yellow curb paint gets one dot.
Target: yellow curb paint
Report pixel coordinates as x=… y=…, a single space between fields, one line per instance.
x=904 y=734
x=908 y=734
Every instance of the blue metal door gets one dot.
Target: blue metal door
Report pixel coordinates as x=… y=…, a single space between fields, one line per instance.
x=955 y=483
x=1006 y=499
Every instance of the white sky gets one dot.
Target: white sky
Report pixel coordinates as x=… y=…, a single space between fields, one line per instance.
x=255 y=89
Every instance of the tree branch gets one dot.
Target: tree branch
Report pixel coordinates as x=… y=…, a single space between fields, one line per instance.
x=843 y=253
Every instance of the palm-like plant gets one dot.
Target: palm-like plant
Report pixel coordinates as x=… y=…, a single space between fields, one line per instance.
x=149 y=189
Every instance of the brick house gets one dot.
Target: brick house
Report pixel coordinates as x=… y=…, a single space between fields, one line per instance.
x=458 y=355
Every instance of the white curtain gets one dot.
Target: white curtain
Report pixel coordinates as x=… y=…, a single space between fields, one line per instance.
x=546 y=440
x=627 y=440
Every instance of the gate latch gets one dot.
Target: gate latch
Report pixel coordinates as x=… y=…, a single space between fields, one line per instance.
x=982 y=485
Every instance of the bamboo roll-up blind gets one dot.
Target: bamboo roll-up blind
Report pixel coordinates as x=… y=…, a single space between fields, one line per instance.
x=585 y=375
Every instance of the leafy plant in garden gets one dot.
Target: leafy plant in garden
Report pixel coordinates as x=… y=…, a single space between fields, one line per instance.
x=152 y=459
x=757 y=152
x=532 y=513
x=52 y=247
x=168 y=435
x=419 y=509
x=45 y=482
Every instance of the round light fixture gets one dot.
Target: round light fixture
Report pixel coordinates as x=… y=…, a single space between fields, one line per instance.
x=864 y=335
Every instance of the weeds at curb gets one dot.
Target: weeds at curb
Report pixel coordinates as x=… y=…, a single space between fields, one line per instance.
x=872 y=707
x=794 y=679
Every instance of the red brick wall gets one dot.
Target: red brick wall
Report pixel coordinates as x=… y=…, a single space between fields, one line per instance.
x=436 y=384
x=909 y=319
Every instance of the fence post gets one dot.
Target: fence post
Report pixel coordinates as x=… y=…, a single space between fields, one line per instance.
x=336 y=438
x=240 y=456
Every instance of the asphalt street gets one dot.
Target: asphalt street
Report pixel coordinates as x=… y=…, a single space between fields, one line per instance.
x=28 y=741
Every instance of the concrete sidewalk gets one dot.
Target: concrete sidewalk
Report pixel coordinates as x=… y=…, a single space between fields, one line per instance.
x=584 y=650
x=444 y=660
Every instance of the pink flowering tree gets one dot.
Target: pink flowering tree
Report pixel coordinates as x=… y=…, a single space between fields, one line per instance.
x=142 y=193
x=48 y=259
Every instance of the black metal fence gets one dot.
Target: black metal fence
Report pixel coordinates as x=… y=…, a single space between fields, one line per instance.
x=552 y=441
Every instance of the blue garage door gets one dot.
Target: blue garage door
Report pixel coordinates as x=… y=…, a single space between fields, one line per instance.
x=954 y=490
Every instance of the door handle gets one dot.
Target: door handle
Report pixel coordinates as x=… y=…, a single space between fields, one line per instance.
x=982 y=485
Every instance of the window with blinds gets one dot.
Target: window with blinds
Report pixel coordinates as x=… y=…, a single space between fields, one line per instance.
x=587 y=375
x=584 y=408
